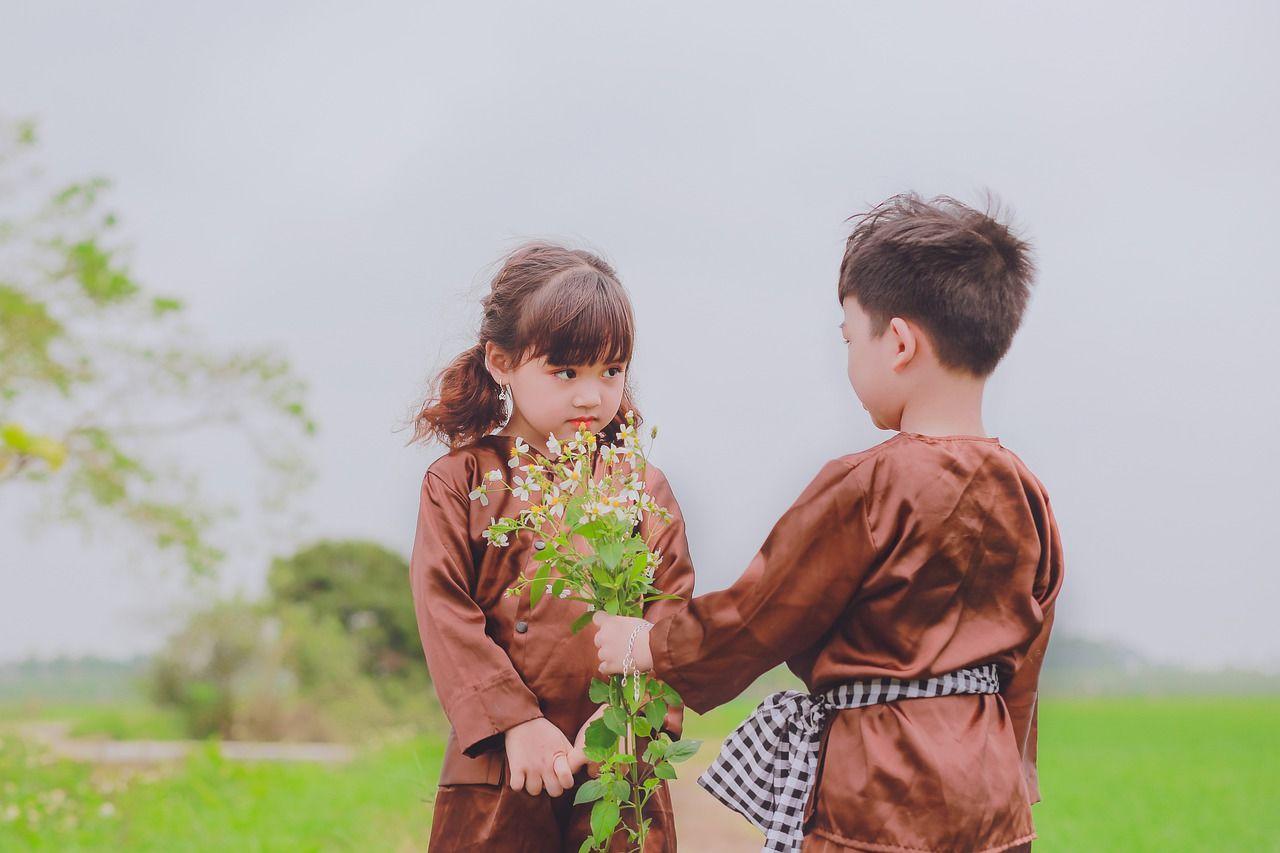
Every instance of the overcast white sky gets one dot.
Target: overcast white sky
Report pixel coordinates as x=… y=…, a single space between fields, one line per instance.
x=335 y=179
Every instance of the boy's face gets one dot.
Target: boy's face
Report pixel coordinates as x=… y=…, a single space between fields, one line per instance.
x=875 y=366
x=553 y=399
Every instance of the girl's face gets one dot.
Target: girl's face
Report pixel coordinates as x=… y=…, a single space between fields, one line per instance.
x=555 y=399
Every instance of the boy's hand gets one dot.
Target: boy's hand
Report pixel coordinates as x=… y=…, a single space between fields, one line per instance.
x=578 y=755
x=612 y=635
x=538 y=758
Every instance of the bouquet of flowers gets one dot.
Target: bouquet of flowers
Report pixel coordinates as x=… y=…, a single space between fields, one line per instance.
x=586 y=501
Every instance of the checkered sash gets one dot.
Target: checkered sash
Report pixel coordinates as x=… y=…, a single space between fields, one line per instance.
x=766 y=768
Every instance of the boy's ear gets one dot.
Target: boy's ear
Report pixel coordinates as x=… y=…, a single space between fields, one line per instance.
x=906 y=343
x=498 y=363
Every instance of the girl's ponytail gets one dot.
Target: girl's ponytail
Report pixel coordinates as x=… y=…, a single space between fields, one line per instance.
x=464 y=403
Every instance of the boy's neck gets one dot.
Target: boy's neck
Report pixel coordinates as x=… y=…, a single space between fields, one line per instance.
x=949 y=404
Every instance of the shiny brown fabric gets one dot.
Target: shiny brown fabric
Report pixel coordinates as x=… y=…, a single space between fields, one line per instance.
x=490 y=818
x=915 y=558
x=489 y=675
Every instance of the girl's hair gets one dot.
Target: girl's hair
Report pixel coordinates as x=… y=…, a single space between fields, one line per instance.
x=546 y=300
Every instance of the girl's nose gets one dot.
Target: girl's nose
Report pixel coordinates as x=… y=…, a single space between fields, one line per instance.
x=587 y=399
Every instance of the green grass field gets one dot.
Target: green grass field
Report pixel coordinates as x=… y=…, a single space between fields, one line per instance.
x=1117 y=774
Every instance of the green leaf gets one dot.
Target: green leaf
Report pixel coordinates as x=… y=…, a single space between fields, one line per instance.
x=663 y=770
x=598 y=691
x=538 y=585
x=642 y=727
x=663 y=597
x=616 y=720
x=655 y=712
x=610 y=553
x=598 y=754
x=651 y=783
x=161 y=305
x=590 y=530
x=600 y=735
x=589 y=792
x=547 y=553
x=557 y=587
x=581 y=622
x=621 y=790
x=673 y=698
x=604 y=819
x=683 y=750
x=655 y=750
x=603 y=578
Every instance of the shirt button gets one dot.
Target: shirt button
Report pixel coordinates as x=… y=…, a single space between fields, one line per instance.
x=522 y=626
x=539 y=545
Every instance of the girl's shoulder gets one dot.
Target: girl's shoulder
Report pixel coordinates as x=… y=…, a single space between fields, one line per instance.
x=463 y=468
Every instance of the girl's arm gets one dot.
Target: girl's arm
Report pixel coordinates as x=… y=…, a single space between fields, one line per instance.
x=482 y=694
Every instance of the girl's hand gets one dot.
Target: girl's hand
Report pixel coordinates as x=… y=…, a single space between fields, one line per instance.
x=578 y=755
x=538 y=758
x=612 y=635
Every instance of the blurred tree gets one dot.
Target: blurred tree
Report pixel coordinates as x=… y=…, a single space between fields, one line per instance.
x=241 y=671
x=365 y=588
x=95 y=373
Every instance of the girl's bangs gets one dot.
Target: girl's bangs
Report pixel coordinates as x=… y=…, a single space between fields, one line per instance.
x=580 y=317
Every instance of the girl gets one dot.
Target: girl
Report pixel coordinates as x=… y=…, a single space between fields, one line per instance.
x=553 y=352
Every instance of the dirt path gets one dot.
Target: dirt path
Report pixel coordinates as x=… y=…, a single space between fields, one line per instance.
x=703 y=824
x=53 y=736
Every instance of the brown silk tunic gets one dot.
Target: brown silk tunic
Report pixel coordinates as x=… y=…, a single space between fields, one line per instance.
x=494 y=661
x=912 y=559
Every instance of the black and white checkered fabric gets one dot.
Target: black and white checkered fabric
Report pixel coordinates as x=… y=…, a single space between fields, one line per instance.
x=766 y=768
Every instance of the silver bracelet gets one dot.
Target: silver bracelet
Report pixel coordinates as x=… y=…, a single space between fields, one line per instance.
x=628 y=660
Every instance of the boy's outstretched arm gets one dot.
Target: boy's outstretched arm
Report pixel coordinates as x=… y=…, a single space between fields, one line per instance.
x=799 y=583
x=675 y=573
x=479 y=688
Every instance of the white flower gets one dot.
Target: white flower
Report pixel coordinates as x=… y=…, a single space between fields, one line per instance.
x=553 y=446
x=566 y=592
x=522 y=486
x=609 y=454
x=498 y=540
x=590 y=607
x=479 y=493
x=107 y=810
x=632 y=488
x=548 y=589
x=494 y=476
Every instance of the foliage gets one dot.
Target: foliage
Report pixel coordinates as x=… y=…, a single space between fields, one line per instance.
x=96 y=372
x=244 y=672
x=588 y=505
x=362 y=586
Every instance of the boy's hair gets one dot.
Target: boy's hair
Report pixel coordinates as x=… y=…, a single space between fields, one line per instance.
x=962 y=275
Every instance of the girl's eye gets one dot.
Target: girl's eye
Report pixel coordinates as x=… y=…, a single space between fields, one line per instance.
x=613 y=371
x=566 y=374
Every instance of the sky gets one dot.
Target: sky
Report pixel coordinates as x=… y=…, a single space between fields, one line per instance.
x=336 y=180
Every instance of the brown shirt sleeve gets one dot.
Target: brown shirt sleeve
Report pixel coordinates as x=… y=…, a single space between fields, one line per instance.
x=478 y=686
x=675 y=572
x=1021 y=691
x=802 y=579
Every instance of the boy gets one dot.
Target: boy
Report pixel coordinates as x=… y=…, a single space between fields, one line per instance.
x=910 y=586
